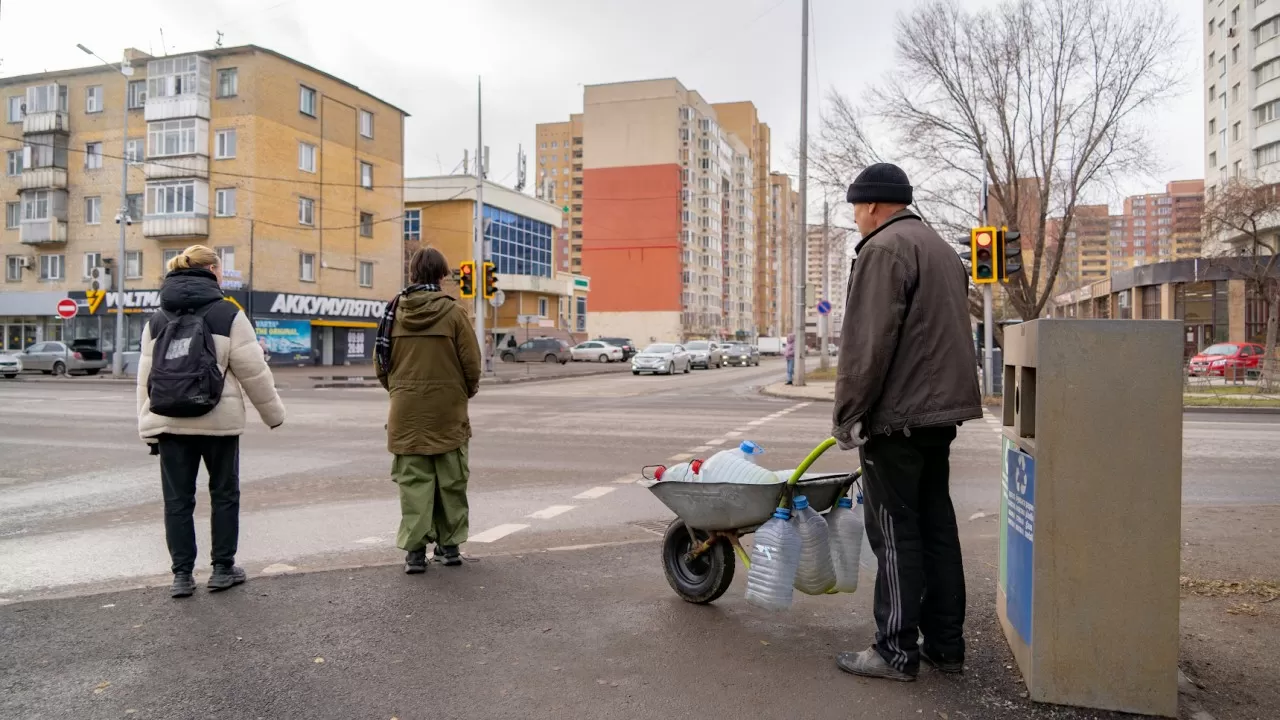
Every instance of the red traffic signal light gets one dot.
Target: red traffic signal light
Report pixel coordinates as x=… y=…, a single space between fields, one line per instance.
x=467 y=279
x=981 y=245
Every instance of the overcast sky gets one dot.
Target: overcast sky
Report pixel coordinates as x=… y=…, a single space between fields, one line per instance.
x=535 y=56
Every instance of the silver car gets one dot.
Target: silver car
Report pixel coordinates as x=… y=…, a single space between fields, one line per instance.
x=10 y=365
x=57 y=358
x=705 y=355
x=661 y=358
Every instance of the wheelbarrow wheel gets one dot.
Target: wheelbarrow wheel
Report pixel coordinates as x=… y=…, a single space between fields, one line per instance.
x=699 y=580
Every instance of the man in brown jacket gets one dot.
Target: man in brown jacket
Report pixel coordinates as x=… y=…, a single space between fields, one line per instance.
x=429 y=360
x=907 y=376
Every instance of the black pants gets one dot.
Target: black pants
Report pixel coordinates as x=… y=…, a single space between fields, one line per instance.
x=180 y=457
x=912 y=528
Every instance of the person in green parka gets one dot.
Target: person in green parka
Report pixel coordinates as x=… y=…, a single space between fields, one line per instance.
x=427 y=357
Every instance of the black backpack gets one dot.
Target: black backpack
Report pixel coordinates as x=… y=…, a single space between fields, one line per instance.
x=185 y=380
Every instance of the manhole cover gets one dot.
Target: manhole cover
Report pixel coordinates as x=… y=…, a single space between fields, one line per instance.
x=657 y=527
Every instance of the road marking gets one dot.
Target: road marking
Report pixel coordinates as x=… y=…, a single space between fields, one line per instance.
x=700 y=449
x=496 y=533
x=717 y=441
x=762 y=421
x=997 y=429
x=802 y=406
x=632 y=478
x=733 y=434
x=550 y=512
x=593 y=493
x=369 y=540
x=681 y=457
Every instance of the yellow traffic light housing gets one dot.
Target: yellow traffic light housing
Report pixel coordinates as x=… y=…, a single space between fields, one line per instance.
x=1009 y=252
x=490 y=280
x=467 y=279
x=982 y=247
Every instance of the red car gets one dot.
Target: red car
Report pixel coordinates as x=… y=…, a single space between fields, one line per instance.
x=1215 y=359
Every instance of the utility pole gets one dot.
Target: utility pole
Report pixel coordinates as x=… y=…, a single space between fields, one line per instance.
x=824 y=321
x=803 y=235
x=988 y=333
x=478 y=244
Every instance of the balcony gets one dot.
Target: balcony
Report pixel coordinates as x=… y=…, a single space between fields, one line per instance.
x=44 y=178
x=179 y=166
x=42 y=232
x=177 y=106
x=176 y=226
x=54 y=121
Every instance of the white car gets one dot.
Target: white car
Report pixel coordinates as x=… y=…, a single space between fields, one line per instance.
x=661 y=358
x=10 y=365
x=596 y=351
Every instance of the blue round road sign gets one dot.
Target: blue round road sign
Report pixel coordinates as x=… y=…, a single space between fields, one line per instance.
x=824 y=307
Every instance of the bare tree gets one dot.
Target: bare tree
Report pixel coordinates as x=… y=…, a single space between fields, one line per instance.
x=1043 y=94
x=1244 y=216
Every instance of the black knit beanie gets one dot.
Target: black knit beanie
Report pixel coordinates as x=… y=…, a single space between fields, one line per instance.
x=881 y=183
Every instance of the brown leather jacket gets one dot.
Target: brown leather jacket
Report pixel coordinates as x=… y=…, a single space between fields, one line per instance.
x=907 y=357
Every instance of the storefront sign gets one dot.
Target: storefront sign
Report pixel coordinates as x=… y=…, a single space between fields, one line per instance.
x=317 y=306
x=101 y=302
x=355 y=345
x=285 y=338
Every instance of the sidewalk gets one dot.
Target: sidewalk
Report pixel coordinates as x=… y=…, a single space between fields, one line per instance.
x=820 y=390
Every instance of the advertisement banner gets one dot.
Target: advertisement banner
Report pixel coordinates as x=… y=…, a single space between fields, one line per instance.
x=285 y=339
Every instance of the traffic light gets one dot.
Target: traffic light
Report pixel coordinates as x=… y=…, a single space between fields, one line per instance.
x=490 y=280
x=982 y=250
x=1009 y=249
x=467 y=279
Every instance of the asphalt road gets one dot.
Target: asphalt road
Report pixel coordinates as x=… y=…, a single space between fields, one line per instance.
x=562 y=608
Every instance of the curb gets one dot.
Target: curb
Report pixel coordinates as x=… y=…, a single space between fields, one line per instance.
x=793 y=396
x=1230 y=410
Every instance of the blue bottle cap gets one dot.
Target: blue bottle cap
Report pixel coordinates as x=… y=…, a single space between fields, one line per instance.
x=845 y=502
x=801 y=502
x=750 y=448
x=782 y=514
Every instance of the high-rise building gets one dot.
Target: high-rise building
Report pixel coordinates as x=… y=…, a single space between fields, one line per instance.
x=662 y=211
x=1160 y=227
x=741 y=119
x=1242 y=91
x=292 y=175
x=784 y=225
x=835 y=249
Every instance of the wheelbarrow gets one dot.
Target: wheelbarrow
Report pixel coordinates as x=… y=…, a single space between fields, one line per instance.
x=699 y=546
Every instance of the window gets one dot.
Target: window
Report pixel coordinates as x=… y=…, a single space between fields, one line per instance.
x=1222 y=66
x=306 y=157
x=1266 y=154
x=582 y=313
x=12 y=215
x=93 y=156
x=307 y=267
x=1235 y=16
x=521 y=245
x=366 y=224
x=15 y=108
x=1267 y=113
x=133 y=264
x=135 y=206
x=93 y=99
x=51 y=267
x=224 y=202
x=1267 y=71
x=554 y=145
x=171 y=77
x=542 y=307
x=13 y=163
x=1213 y=92
x=306 y=100
x=224 y=143
x=13 y=268
x=46 y=98
x=1235 y=131
x=1235 y=93
x=137 y=94
x=366 y=176
x=366 y=123
x=91 y=261
x=413 y=225
x=35 y=205
x=1235 y=55
x=172 y=198
x=135 y=150
x=228 y=82
x=1235 y=169
x=1267 y=30
x=366 y=274
x=1212 y=56
x=1213 y=126
x=226 y=258
x=92 y=210
x=1213 y=159
x=306 y=211
x=171 y=137
x=168 y=255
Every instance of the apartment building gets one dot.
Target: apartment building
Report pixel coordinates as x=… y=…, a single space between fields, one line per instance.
x=833 y=287
x=1242 y=90
x=784 y=220
x=1087 y=255
x=558 y=180
x=292 y=174
x=1160 y=227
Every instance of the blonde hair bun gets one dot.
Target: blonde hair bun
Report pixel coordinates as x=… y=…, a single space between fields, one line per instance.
x=196 y=256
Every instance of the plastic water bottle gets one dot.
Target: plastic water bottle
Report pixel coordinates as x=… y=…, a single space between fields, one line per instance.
x=736 y=466
x=684 y=472
x=847 y=532
x=815 y=574
x=775 y=557
x=868 y=559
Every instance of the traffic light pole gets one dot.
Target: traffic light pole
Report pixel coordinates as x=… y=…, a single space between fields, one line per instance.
x=477 y=246
x=988 y=333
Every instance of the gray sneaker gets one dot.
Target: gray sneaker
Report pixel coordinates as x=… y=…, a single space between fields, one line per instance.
x=868 y=663
x=225 y=576
x=940 y=664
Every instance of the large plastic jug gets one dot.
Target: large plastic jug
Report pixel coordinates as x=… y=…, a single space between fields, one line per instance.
x=815 y=575
x=775 y=557
x=868 y=559
x=845 y=525
x=736 y=466
x=684 y=472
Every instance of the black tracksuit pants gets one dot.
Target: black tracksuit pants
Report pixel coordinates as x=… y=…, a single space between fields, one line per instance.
x=180 y=457
x=911 y=525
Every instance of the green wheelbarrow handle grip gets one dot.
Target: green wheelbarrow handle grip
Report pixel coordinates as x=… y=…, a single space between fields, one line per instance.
x=813 y=457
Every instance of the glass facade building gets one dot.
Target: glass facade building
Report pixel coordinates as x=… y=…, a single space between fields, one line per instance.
x=519 y=245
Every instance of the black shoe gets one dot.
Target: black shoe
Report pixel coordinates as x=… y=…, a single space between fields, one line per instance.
x=448 y=555
x=415 y=562
x=225 y=576
x=936 y=662
x=183 y=585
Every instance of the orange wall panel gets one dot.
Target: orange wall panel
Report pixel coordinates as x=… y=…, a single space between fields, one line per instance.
x=631 y=238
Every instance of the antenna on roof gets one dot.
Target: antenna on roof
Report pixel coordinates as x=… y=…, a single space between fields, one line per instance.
x=219 y=43
x=163 y=47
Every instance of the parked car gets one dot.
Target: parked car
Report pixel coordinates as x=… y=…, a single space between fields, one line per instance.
x=705 y=355
x=10 y=365
x=661 y=358
x=1216 y=359
x=57 y=358
x=548 y=350
x=742 y=354
x=628 y=347
x=597 y=351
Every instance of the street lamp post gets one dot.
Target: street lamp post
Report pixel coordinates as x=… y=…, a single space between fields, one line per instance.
x=122 y=218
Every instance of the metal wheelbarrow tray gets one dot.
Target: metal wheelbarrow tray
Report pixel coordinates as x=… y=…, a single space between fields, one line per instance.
x=742 y=507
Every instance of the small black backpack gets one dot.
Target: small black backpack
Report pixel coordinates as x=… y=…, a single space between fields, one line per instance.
x=185 y=380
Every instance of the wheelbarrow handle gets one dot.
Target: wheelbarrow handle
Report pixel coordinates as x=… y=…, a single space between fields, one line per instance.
x=803 y=467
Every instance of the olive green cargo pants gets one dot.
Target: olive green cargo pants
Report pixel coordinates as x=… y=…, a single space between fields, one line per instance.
x=433 y=498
